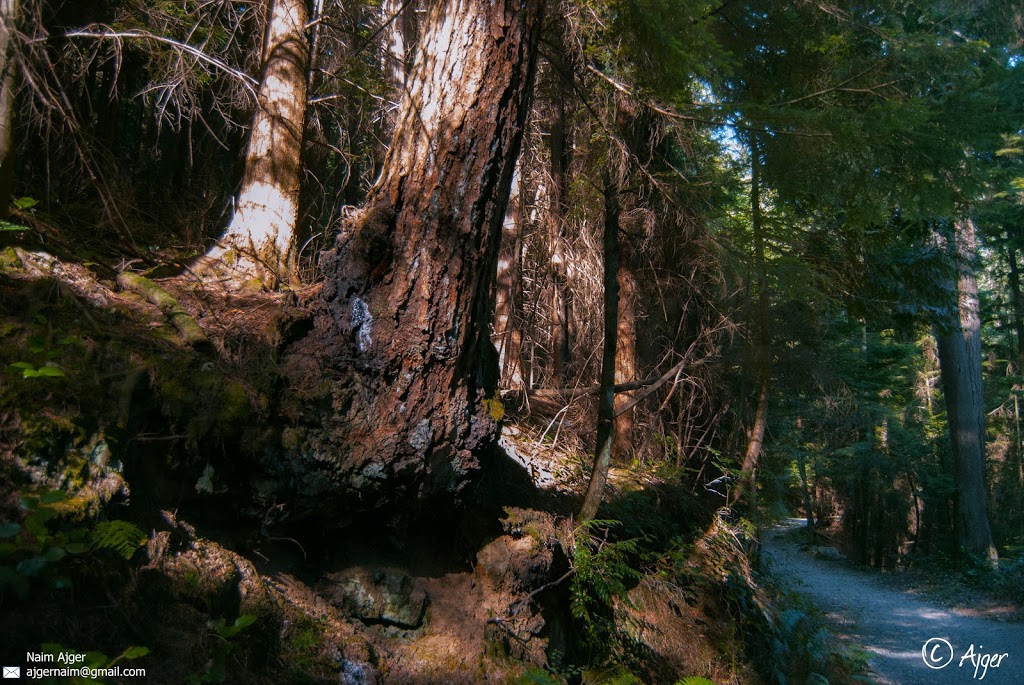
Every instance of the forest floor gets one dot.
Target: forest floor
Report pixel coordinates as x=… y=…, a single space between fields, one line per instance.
x=900 y=627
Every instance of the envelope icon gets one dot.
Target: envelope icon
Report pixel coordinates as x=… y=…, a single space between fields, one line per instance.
x=12 y=672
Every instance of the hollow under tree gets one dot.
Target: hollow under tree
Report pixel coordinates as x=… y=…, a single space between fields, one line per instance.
x=403 y=328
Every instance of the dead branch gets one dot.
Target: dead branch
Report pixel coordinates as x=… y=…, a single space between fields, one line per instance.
x=101 y=32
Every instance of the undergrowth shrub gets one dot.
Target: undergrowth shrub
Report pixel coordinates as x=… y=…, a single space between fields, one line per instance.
x=32 y=550
x=603 y=570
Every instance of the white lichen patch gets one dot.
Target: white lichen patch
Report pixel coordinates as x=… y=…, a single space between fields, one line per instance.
x=362 y=323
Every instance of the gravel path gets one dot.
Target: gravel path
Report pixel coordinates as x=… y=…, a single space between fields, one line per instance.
x=894 y=625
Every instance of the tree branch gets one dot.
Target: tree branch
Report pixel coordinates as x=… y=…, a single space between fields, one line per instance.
x=839 y=86
x=104 y=33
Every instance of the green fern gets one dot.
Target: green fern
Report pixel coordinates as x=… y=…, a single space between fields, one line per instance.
x=538 y=676
x=695 y=680
x=120 y=537
x=603 y=572
x=615 y=675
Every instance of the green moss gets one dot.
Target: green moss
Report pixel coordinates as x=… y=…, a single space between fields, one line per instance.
x=235 y=405
x=9 y=261
x=494 y=408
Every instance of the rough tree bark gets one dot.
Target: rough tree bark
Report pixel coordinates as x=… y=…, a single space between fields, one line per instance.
x=403 y=340
x=259 y=242
x=959 y=345
x=606 y=400
x=8 y=14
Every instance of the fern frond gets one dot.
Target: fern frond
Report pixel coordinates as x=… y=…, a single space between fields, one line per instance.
x=695 y=680
x=120 y=537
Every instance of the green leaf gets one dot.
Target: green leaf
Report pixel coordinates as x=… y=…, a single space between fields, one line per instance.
x=50 y=372
x=76 y=548
x=135 y=652
x=8 y=529
x=245 y=620
x=8 y=226
x=31 y=567
x=21 y=365
x=54 y=554
x=24 y=203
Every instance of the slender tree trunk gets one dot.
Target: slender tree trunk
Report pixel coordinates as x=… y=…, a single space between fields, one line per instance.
x=959 y=345
x=756 y=436
x=404 y=334
x=625 y=362
x=561 y=303
x=801 y=462
x=1016 y=304
x=507 y=333
x=400 y=40
x=8 y=15
x=260 y=240
x=1017 y=453
x=606 y=400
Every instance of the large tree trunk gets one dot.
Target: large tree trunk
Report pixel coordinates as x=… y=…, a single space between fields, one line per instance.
x=259 y=242
x=8 y=14
x=959 y=345
x=606 y=400
x=404 y=335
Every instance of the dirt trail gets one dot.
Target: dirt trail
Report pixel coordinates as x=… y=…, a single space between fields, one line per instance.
x=894 y=625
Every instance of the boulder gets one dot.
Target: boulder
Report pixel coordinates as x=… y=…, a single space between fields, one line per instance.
x=376 y=596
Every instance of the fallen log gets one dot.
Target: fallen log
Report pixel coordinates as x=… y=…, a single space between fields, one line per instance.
x=189 y=329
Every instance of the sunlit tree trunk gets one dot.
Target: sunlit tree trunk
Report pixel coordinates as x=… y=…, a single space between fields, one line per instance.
x=259 y=242
x=407 y=308
x=606 y=398
x=8 y=13
x=507 y=334
x=400 y=40
x=625 y=361
x=959 y=345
